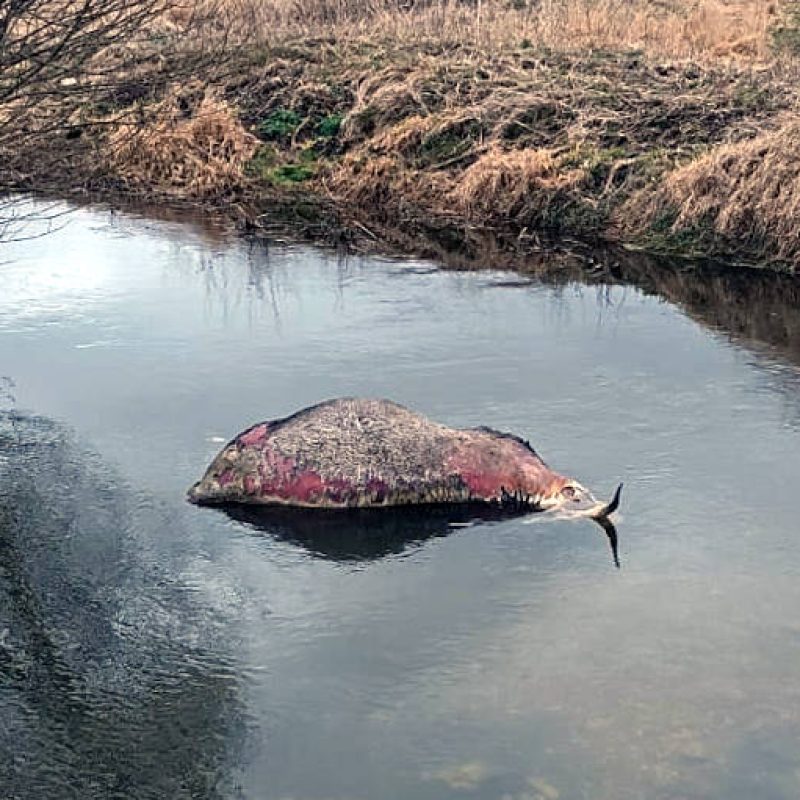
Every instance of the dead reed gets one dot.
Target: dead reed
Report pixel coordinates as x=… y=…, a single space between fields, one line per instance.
x=528 y=186
x=697 y=29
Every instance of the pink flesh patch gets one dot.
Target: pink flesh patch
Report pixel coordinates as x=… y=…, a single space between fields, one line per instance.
x=305 y=487
x=254 y=435
x=225 y=477
x=489 y=468
x=482 y=473
x=487 y=485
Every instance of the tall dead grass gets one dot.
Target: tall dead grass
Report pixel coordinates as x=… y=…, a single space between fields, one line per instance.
x=697 y=29
x=194 y=146
x=747 y=193
x=529 y=187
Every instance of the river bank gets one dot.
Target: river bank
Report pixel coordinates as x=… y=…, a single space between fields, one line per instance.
x=440 y=143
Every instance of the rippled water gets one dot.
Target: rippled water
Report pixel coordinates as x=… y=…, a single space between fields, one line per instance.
x=151 y=649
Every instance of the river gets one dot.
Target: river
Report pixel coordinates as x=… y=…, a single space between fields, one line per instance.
x=152 y=649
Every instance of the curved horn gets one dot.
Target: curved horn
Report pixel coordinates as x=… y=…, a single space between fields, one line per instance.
x=611 y=507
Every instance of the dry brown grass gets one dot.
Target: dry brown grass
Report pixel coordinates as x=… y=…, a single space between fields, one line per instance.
x=547 y=116
x=696 y=29
x=194 y=146
x=386 y=187
x=553 y=141
x=747 y=193
x=527 y=186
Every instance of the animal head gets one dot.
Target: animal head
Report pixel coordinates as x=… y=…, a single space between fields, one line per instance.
x=569 y=497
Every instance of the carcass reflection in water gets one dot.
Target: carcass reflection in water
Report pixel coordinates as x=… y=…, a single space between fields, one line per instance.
x=368 y=534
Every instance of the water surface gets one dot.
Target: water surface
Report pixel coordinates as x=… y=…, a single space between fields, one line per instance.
x=152 y=649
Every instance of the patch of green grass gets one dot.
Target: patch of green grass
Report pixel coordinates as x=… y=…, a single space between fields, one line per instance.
x=663 y=222
x=328 y=127
x=264 y=160
x=308 y=155
x=266 y=166
x=751 y=97
x=576 y=217
x=279 y=125
x=287 y=174
x=654 y=163
x=697 y=239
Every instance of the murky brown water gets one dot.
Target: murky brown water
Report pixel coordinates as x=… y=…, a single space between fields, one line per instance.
x=150 y=649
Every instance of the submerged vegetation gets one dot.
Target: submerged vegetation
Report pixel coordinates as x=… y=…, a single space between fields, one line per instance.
x=667 y=125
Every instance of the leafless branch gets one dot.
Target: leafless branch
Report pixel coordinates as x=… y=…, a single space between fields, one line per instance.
x=71 y=67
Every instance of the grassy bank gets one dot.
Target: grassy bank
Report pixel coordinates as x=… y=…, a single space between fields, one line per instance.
x=666 y=125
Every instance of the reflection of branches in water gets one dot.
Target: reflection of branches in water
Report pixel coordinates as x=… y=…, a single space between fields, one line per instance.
x=609 y=300
x=111 y=682
x=260 y=270
x=7 y=399
x=22 y=219
x=245 y=277
x=252 y=274
x=239 y=273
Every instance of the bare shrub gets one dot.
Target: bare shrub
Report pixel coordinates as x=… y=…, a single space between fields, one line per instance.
x=73 y=70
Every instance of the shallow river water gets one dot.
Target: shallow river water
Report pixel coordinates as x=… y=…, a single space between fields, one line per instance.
x=151 y=649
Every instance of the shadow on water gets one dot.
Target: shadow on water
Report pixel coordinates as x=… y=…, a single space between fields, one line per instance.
x=114 y=682
x=369 y=534
x=753 y=307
